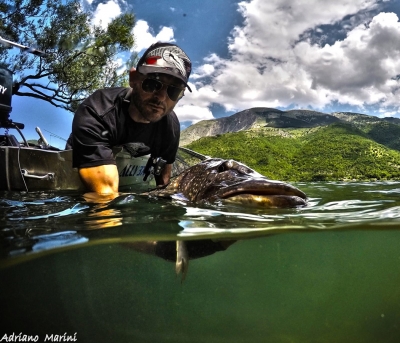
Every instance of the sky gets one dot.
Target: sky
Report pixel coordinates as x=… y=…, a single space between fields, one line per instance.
x=328 y=56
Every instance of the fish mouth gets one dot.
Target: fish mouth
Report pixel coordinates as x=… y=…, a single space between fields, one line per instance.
x=263 y=193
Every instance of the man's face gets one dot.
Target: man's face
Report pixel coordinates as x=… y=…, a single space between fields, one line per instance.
x=152 y=106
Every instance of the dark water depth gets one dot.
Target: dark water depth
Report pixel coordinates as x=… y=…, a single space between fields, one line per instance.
x=328 y=272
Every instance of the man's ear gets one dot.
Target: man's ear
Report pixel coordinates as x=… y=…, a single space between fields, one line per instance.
x=134 y=76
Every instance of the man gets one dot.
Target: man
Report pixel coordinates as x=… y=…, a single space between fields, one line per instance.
x=142 y=113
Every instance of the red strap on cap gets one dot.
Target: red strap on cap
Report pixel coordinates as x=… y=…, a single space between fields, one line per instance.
x=152 y=59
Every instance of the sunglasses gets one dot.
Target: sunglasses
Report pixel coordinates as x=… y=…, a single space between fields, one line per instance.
x=152 y=85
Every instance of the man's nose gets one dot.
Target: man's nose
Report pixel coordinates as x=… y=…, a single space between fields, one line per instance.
x=162 y=93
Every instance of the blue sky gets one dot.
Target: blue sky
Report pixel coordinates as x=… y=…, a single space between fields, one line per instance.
x=316 y=54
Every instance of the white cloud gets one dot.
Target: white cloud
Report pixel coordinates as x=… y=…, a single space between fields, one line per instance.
x=195 y=106
x=363 y=67
x=383 y=113
x=202 y=71
x=166 y=34
x=192 y=113
x=144 y=35
x=86 y=2
x=105 y=13
x=274 y=63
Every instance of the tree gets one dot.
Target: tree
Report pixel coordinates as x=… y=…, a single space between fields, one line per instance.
x=80 y=56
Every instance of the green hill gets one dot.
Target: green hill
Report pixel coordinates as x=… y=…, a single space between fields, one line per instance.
x=382 y=130
x=339 y=151
x=384 y=133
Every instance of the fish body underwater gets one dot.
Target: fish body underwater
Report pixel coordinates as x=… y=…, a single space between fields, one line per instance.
x=216 y=180
x=219 y=180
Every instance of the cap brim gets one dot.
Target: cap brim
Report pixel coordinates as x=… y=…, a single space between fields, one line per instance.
x=158 y=70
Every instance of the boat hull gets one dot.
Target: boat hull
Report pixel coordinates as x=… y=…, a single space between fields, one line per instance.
x=31 y=169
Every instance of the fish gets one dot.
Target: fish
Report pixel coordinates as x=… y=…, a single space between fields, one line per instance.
x=216 y=180
x=182 y=259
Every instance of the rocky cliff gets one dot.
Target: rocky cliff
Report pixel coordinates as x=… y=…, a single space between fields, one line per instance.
x=269 y=117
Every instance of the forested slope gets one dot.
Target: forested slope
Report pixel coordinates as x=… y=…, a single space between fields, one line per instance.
x=335 y=152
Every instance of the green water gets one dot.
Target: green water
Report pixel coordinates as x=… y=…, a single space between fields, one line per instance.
x=326 y=273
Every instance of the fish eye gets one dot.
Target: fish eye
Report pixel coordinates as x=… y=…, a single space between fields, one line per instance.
x=243 y=170
x=225 y=166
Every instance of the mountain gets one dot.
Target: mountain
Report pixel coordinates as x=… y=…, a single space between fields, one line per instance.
x=302 y=145
x=339 y=151
x=383 y=130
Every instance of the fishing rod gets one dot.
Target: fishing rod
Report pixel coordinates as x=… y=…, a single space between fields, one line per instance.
x=54 y=135
x=23 y=48
x=194 y=153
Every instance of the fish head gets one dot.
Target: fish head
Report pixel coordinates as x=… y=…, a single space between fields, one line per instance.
x=218 y=179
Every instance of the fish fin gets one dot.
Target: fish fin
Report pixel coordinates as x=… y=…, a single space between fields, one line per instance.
x=179 y=196
x=160 y=193
x=182 y=259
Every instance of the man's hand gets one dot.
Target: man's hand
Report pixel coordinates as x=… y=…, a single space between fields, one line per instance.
x=102 y=180
x=164 y=177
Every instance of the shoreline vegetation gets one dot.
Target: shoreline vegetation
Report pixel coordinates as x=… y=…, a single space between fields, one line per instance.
x=335 y=152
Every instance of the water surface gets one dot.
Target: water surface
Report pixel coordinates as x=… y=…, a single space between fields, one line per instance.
x=328 y=272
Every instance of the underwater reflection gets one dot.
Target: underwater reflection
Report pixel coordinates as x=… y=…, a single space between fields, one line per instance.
x=24 y=245
x=180 y=251
x=138 y=219
x=103 y=219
